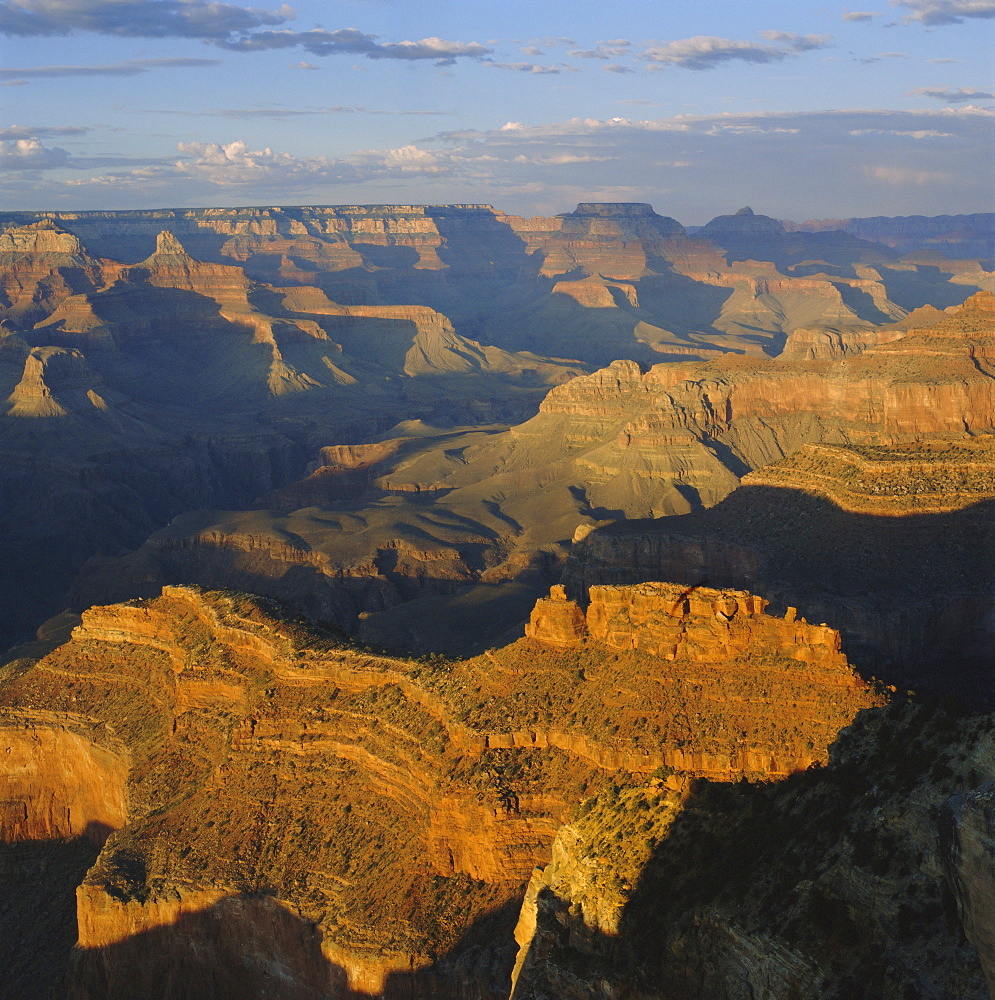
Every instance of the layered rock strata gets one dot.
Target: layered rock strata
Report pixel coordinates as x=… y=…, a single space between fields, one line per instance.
x=915 y=606
x=831 y=885
x=350 y=818
x=130 y=393
x=500 y=277
x=438 y=512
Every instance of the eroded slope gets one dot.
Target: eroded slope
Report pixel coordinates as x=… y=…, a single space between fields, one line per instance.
x=351 y=817
x=424 y=515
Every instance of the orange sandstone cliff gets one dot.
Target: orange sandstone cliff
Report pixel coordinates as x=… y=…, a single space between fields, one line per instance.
x=277 y=804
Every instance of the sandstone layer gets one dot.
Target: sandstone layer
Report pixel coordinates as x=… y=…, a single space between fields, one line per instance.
x=352 y=819
x=130 y=393
x=832 y=884
x=124 y=337
x=281 y=813
x=433 y=513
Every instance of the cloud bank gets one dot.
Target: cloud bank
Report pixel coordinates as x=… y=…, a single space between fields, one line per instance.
x=131 y=67
x=962 y=95
x=832 y=163
x=937 y=12
x=240 y=29
x=204 y=19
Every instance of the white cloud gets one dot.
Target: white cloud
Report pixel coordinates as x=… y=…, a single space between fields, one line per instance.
x=25 y=132
x=240 y=29
x=407 y=160
x=30 y=154
x=867 y=60
x=523 y=67
x=934 y=12
x=234 y=163
x=552 y=41
x=709 y=51
x=350 y=41
x=746 y=128
x=923 y=133
x=859 y=15
x=604 y=50
x=834 y=163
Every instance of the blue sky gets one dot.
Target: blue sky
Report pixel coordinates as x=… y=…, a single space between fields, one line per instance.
x=802 y=109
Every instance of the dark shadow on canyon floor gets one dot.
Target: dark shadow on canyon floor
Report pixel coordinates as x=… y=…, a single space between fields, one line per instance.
x=38 y=881
x=249 y=947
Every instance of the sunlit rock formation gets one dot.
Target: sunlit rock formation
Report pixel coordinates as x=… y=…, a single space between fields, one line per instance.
x=369 y=809
x=436 y=510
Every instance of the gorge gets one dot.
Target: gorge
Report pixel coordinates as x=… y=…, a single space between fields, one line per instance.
x=424 y=601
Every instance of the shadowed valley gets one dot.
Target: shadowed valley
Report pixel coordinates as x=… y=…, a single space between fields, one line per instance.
x=433 y=602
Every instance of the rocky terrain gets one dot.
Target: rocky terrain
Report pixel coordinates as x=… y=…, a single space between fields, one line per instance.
x=418 y=521
x=265 y=810
x=973 y=233
x=251 y=779
x=155 y=363
x=857 y=880
x=135 y=392
x=303 y=477
x=883 y=528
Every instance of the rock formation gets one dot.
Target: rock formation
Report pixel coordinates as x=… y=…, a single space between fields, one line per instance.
x=284 y=815
x=219 y=745
x=828 y=885
x=133 y=392
x=971 y=235
x=436 y=512
x=365 y=411
x=970 y=861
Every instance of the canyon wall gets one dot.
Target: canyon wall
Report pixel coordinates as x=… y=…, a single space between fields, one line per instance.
x=829 y=885
x=436 y=512
x=349 y=818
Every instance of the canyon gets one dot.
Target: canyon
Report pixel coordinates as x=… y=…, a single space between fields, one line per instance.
x=712 y=472
x=230 y=761
x=424 y=601
x=665 y=790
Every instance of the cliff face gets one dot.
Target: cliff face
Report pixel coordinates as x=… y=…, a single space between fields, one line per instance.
x=972 y=235
x=346 y=817
x=319 y=326
x=288 y=816
x=829 y=885
x=970 y=862
x=56 y=784
x=493 y=274
x=133 y=392
x=790 y=532
x=280 y=813
x=437 y=510
x=41 y=265
x=727 y=648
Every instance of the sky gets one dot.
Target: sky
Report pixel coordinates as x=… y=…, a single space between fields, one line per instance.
x=801 y=109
